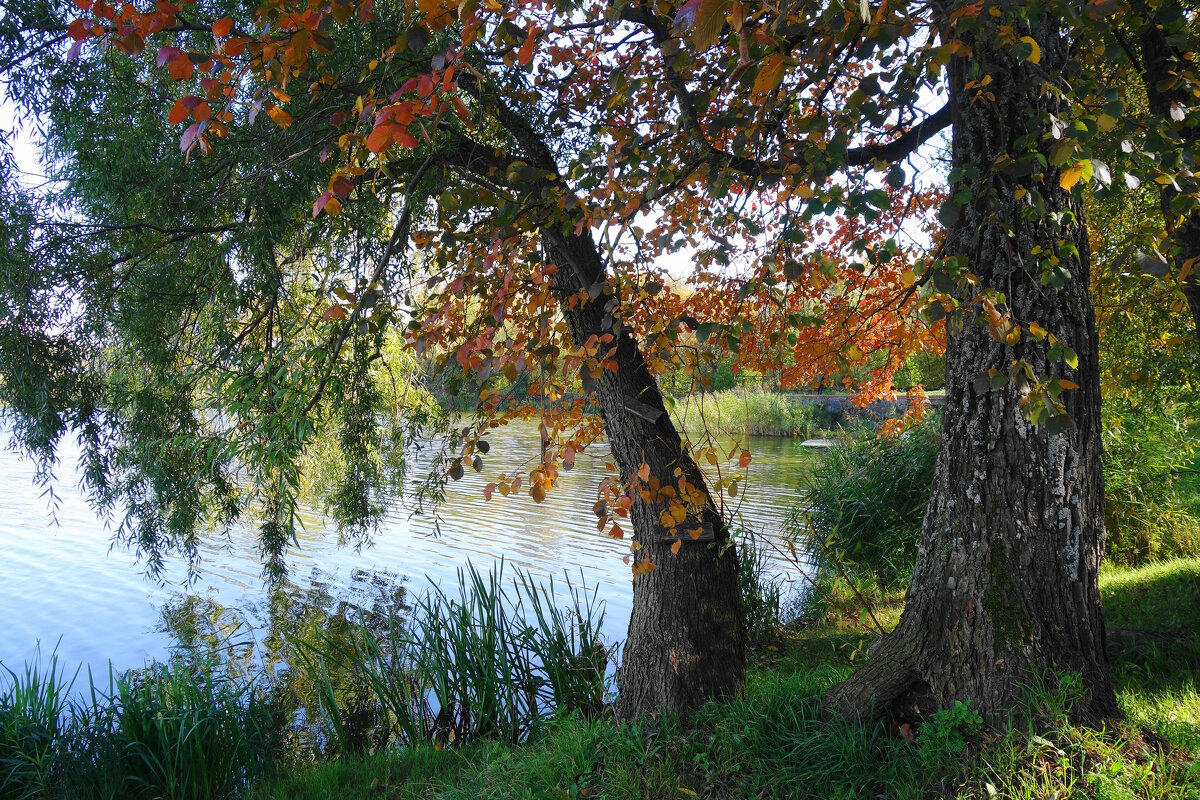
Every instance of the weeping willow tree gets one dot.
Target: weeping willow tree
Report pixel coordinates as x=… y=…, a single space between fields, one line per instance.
x=181 y=320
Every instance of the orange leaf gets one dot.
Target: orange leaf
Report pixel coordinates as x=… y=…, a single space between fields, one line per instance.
x=525 y=54
x=710 y=20
x=744 y=459
x=675 y=547
x=380 y=139
x=179 y=112
x=770 y=74
x=222 y=27
x=282 y=118
x=180 y=69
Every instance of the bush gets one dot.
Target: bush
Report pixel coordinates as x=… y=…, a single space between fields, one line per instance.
x=867 y=501
x=1150 y=514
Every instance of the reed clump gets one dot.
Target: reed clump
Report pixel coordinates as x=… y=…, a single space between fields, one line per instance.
x=488 y=658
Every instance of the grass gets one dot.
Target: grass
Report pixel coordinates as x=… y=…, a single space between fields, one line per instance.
x=773 y=741
x=750 y=412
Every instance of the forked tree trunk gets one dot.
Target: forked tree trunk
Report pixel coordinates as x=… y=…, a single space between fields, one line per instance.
x=1160 y=60
x=686 y=641
x=1005 y=588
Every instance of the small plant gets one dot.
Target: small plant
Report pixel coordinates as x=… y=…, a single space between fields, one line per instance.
x=943 y=738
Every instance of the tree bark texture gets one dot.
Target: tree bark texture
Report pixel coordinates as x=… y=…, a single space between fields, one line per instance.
x=686 y=639
x=1004 y=589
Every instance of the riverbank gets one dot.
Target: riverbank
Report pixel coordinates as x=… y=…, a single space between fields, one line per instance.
x=758 y=412
x=773 y=742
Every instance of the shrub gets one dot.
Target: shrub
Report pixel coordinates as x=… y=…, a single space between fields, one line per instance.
x=1150 y=514
x=867 y=500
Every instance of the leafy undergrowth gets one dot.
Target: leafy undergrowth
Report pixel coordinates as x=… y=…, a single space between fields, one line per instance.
x=773 y=742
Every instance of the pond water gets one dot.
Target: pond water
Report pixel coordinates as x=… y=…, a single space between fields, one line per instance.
x=65 y=587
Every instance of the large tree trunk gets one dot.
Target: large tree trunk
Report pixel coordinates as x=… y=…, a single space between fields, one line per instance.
x=1005 y=584
x=686 y=642
x=1181 y=216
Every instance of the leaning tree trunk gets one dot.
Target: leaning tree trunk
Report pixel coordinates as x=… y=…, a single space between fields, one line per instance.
x=1005 y=588
x=1181 y=215
x=686 y=641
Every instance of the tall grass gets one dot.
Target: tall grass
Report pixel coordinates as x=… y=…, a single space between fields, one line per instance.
x=750 y=412
x=488 y=658
x=760 y=592
x=170 y=732
x=1151 y=511
x=34 y=706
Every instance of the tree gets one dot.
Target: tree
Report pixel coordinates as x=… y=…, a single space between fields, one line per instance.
x=1006 y=581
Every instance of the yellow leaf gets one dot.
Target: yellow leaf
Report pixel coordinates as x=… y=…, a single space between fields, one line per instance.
x=282 y=118
x=908 y=278
x=770 y=74
x=1036 y=55
x=1071 y=176
x=710 y=19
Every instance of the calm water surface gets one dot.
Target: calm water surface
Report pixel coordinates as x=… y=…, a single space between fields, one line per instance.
x=63 y=585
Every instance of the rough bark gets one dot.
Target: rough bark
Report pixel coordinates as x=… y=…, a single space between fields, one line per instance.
x=1005 y=586
x=686 y=641
x=1160 y=59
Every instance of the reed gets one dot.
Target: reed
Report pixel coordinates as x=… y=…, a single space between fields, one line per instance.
x=34 y=716
x=488 y=658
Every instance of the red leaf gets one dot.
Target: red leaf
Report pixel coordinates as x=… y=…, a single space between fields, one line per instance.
x=405 y=139
x=337 y=119
x=167 y=53
x=222 y=27
x=342 y=187
x=425 y=86
x=686 y=15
